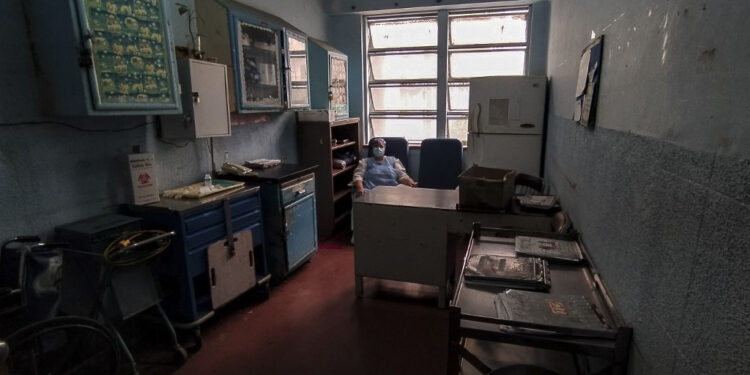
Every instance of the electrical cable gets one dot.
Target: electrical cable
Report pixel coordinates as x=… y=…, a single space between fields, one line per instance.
x=120 y=254
x=53 y=122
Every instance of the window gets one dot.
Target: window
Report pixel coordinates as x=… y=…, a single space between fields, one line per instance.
x=403 y=57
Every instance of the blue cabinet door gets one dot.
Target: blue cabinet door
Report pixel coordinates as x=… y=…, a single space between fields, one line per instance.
x=300 y=230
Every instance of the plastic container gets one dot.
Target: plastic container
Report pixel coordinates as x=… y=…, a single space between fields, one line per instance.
x=207 y=182
x=486 y=188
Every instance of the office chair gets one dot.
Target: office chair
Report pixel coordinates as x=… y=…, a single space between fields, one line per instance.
x=440 y=163
x=394 y=146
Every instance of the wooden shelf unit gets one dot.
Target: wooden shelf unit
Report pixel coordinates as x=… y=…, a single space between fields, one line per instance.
x=332 y=184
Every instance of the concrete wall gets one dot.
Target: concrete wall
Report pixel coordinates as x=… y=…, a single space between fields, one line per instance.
x=52 y=174
x=659 y=188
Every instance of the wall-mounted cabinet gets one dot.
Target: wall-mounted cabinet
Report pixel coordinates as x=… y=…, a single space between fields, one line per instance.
x=98 y=57
x=257 y=59
x=267 y=57
x=205 y=102
x=329 y=81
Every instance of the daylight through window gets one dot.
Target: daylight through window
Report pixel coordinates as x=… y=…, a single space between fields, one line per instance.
x=403 y=55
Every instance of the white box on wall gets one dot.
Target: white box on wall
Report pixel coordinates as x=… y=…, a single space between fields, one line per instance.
x=143 y=178
x=316 y=115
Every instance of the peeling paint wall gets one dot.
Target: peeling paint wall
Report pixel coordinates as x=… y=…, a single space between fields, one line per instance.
x=659 y=189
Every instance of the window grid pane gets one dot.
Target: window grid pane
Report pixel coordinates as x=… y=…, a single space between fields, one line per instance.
x=403 y=66
x=402 y=84
x=411 y=32
x=490 y=29
x=482 y=64
x=404 y=98
x=413 y=129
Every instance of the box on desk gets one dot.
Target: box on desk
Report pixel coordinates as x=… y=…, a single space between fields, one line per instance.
x=486 y=188
x=316 y=115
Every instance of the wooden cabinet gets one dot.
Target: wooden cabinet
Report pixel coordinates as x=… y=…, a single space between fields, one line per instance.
x=319 y=140
x=205 y=102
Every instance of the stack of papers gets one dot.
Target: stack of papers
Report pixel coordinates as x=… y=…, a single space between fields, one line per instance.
x=561 y=314
x=507 y=272
x=539 y=202
x=199 y=190
x=549 y=248
x=262 y=163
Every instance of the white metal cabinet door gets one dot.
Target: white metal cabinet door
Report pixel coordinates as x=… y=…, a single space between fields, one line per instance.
x=507 y=151
x=300 y=227
x=510 y=105
x=210 y=99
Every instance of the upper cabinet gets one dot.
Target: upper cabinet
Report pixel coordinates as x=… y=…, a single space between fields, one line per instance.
x=256 y=53
x=267 y=57
x=329 y=85
x=297 y=82
x=104 y=57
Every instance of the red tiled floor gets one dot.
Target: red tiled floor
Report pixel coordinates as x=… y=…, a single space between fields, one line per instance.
x=313 y=324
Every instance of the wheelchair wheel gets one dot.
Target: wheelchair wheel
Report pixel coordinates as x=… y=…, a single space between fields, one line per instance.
x=63 y=345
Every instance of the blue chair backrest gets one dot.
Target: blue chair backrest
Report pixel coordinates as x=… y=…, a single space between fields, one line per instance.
x=440 y=163
x=394 y=146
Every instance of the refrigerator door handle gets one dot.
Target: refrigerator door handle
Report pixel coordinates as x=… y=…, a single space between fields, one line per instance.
x=474 y=118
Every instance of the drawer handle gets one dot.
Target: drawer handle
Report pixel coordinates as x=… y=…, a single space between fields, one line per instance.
x=213 y=277
x=300 y=191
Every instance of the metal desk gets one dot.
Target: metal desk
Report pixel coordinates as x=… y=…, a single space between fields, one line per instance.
x=473 y=313
x=402 y=234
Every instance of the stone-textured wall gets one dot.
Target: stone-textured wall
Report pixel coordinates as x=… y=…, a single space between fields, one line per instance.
x=660 y=188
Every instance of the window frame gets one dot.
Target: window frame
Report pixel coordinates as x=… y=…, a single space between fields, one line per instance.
x=443 y=113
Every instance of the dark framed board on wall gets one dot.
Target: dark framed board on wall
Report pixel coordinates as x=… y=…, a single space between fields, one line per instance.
x=587 y=87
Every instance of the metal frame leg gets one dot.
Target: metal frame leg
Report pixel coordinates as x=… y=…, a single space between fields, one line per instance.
x=181 y=352
x=125 y=349
x=358 y=287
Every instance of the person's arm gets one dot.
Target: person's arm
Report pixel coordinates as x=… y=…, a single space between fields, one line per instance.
x=359 y=174
x=401 y=175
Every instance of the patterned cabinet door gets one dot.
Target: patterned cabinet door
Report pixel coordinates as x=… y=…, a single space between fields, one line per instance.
x=339 y=89
x=131 y=64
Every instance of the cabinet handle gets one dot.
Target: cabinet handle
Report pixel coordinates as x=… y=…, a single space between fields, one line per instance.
x=251 y=258
x=213 y=277
x=301 y=191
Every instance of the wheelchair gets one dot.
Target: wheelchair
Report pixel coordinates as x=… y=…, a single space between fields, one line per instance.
x=45 y=343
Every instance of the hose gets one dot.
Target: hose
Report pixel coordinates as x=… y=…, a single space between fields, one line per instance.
x=124 y=250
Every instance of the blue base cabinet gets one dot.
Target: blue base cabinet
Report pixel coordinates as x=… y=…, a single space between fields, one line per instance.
x=289 y=215
x=221 y=220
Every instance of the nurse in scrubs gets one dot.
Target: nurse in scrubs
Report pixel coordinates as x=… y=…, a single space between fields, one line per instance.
x=379 y=170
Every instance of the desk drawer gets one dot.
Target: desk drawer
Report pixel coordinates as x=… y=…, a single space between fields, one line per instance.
x=205 y=237
x=244 y=205
x=237 y=207
x=293 y=190
x=202 y=220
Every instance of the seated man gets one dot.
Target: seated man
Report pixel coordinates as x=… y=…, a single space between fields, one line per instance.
x=379 y=170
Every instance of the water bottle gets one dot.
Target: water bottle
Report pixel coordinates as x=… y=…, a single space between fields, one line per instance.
x=207 y=181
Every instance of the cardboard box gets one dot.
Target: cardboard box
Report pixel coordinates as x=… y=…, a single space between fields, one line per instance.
x=316 y=115
x=486 y=188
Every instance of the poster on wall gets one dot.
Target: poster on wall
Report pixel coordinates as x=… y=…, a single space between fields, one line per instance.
x=587 y=86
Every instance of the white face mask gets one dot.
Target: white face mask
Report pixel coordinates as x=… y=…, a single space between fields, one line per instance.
x=378 y=152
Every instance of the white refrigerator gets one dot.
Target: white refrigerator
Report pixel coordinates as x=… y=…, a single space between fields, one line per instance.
x=506 y=122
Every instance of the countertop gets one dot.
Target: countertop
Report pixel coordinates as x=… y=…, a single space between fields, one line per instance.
x=184 y=205
x=281 y=172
